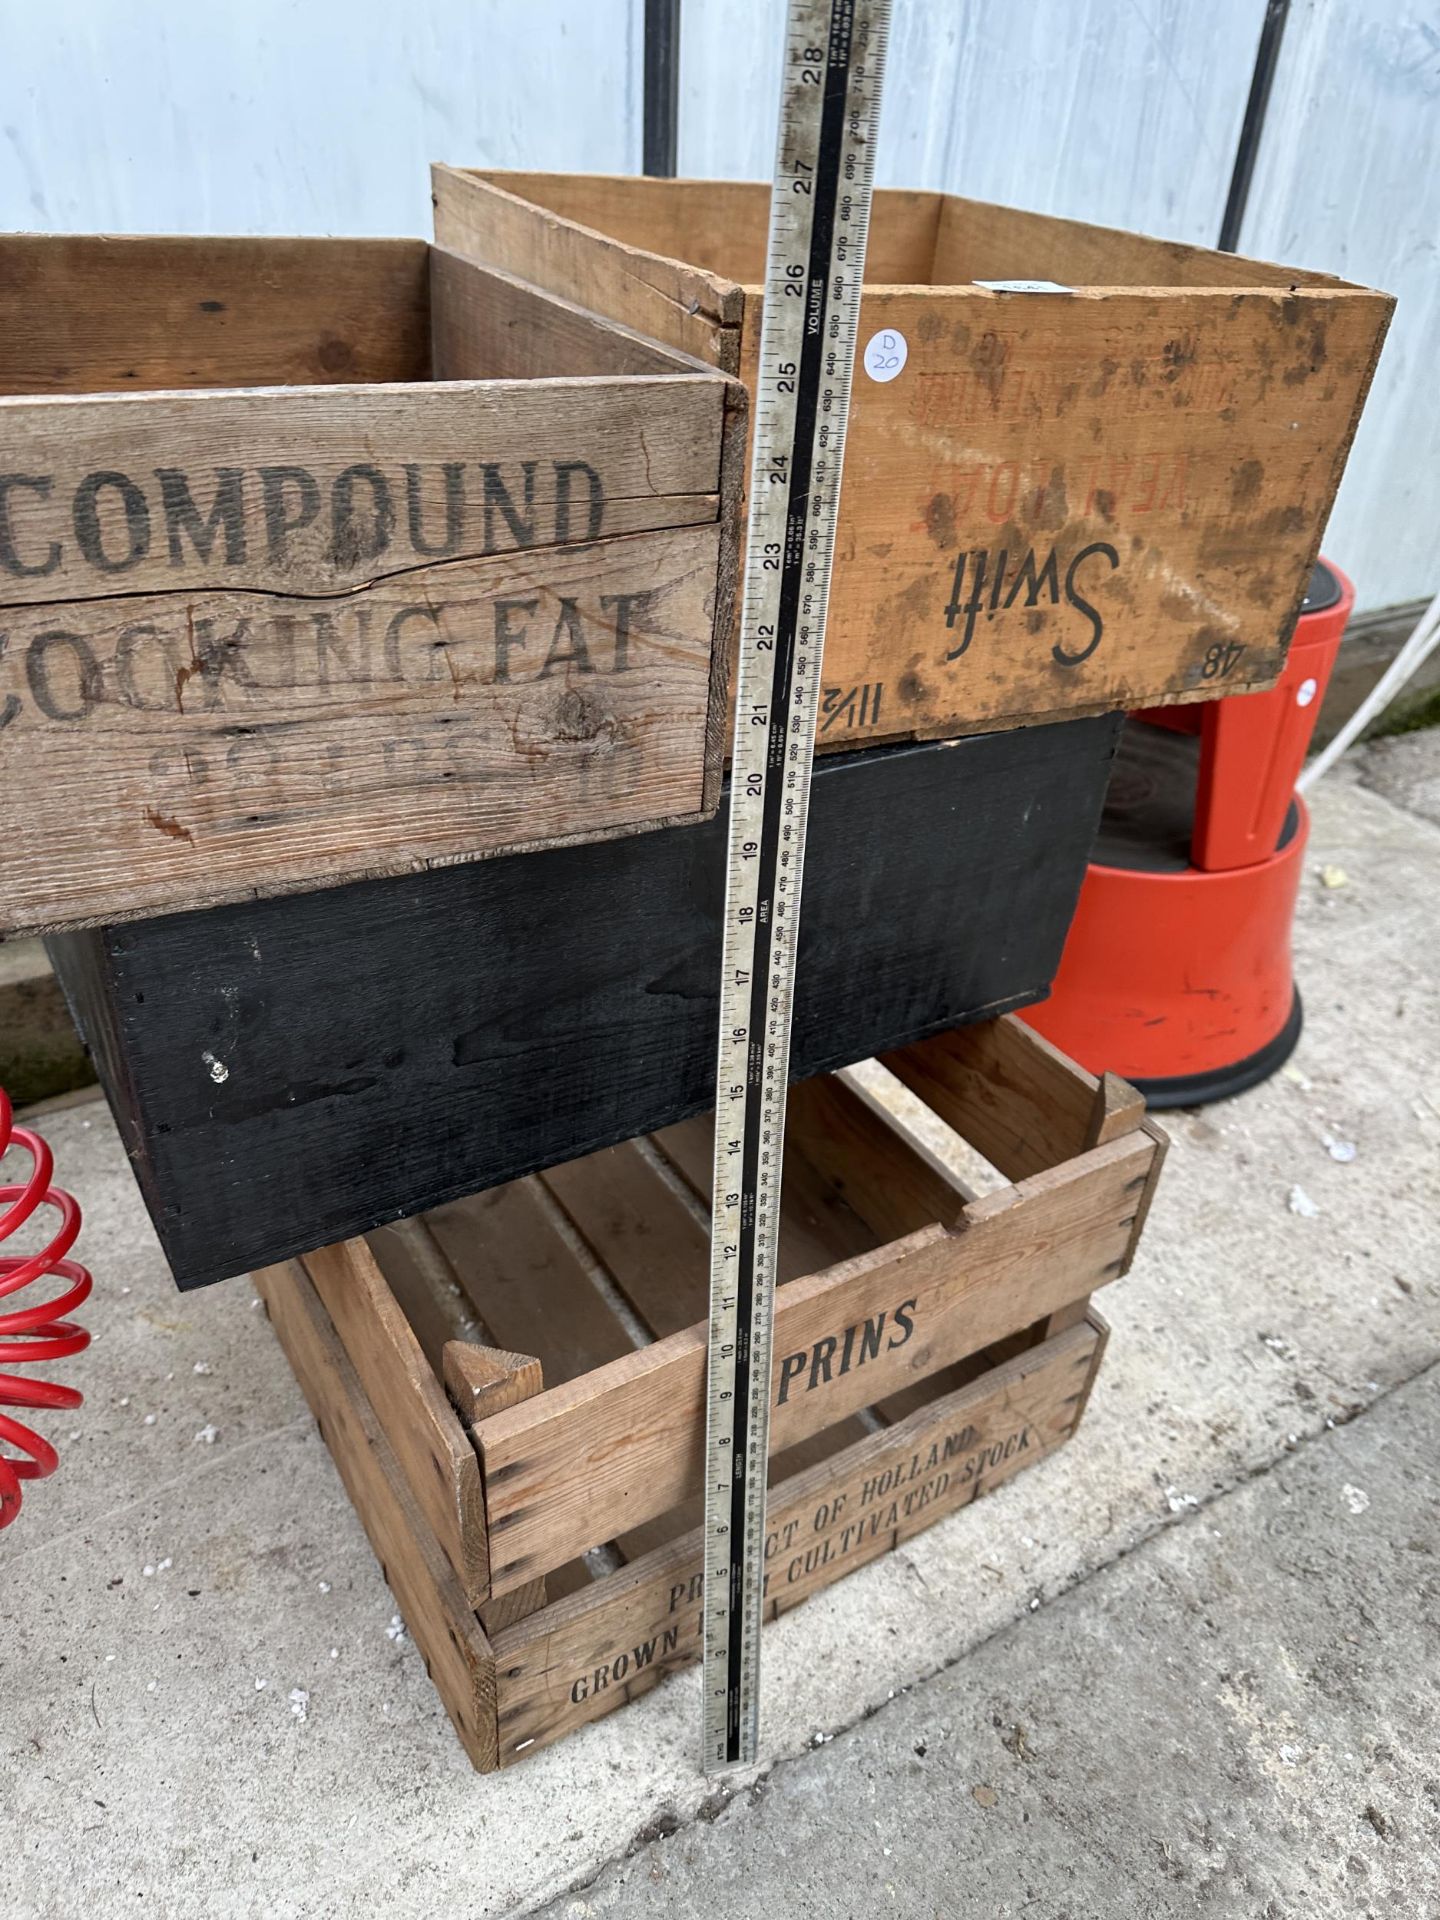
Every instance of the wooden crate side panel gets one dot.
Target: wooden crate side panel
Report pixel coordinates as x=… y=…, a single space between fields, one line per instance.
x=321 y=490
x=1072 y=504
x=592 y=1652
x=1064 y=504
x=425 y=1434
x=487 y=325
x=722 y=225
x=681 y=306
x=421 y=1279
x=1017 y=1099
x=185 y=753
x=92 y=313
x=436 y=1609
x=599 y=1456
x=979 y=241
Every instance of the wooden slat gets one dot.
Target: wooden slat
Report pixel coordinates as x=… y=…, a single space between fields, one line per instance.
x=718 y=225
x=1017 y=1099
x=896 y=1407
x=817 y=1226
x=642 y=1231
x=615 y=1448
x=437 y=1611
x=432 y=1300
x=306 y=743
x=409 y=1402
x=579 y=1658
x=487 y=325
x=528 y=1284
x=893 y=1182
x=681 y=306
x=89 y=313
x=653 y=445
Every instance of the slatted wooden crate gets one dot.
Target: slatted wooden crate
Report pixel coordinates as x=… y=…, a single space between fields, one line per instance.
x=1084 y=469
x=515 y=1382
x=329 y=558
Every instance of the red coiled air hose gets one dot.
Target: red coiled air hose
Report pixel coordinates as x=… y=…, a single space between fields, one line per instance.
x=32 y=1334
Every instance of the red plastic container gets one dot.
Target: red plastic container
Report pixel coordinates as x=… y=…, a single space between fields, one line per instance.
x=1177 y=972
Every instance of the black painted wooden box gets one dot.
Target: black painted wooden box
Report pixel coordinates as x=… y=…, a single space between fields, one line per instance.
x=289 y=1072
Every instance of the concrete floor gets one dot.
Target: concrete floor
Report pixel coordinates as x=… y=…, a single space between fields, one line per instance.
x=1212 y=1618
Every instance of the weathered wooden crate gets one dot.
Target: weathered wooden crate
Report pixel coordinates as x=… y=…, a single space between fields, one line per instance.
x=1103 y=490
x=286 y=1073
x=329 y=558
x=515 y=1382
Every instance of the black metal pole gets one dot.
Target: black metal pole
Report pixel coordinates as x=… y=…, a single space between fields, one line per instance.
x=1267 y=56
x=662 y=86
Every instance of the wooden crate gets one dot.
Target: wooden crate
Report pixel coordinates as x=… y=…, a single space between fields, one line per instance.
x=483 y=1378
x=1104 y=491
x=331 y=558
x=286 y=1073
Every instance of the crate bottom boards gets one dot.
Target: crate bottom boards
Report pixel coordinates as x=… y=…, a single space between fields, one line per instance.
x=512 y=1385
x=595 y=1641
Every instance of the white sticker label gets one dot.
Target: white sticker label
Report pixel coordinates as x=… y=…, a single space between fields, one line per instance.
x=886 y=354
x=1305 y=693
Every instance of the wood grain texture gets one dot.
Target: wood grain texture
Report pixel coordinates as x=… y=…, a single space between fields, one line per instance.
x=426 y=1436
x=91 y=313
x=884 y=1175
x=652 y=1243
x=402 y=1044
x=509 y=1251
x=484 y=1380
x=681 y=306
x=1020 y=1102
x=437 y=1612
x=1106 y=496
x=978 y=241
x=486 y=325
x=261 y=637
x=312 y=491
x=623 y=1444
x=717 y=225
x=591 y=1652
x=818 y=1227
x=421 y=1279
x=647 y=1223
x=249 y=744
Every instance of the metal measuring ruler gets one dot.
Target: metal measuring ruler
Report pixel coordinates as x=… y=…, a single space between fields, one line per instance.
x=819 y=213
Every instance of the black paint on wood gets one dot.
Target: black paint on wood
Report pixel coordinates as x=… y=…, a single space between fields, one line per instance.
x=291 y=1071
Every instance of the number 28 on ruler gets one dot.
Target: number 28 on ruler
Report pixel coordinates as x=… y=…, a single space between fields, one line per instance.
x=819 y=212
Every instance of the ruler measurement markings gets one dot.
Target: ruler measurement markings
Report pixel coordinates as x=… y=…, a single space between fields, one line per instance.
x=819 y=214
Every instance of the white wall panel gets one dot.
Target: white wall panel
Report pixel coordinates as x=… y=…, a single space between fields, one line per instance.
x=1121 y=111
x=322 y=116
x=1348 y=181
